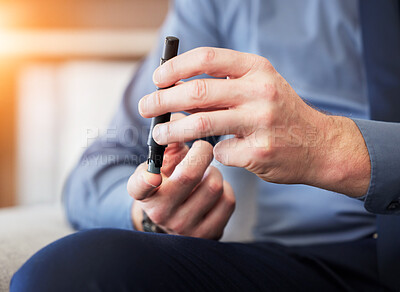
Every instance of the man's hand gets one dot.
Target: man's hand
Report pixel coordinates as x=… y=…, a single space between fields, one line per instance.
x=276 y=134
x=189 y=198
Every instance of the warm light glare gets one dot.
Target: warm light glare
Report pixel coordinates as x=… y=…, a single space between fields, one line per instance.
x=5 y=42
x=5 y=16
x=58 y=43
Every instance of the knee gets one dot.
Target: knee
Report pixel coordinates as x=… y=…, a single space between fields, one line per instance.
x=92 y=260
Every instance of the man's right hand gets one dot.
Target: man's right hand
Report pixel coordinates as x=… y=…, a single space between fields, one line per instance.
x=189 y=198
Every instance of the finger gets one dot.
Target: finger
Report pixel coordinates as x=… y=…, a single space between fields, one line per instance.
x=214 y=222
x=201 y=125
x=234 y=151
x=142 y=184
x=200 y=202
x=174 y=154
x=212 y=61
x=177 y=188
x=188 y=173
x=195 y=94
x=177 y=116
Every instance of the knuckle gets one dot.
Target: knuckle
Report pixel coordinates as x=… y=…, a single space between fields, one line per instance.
x=168 y=130
x=264 y=153
x=170 y=68
x=157 y=99
x=266 y=118
x=199 y=89
x=253 y=59
x=215 y=185
x=201 y=233
x=202 y=123
x=157 y=215
x=178 y=227
x=269 y=91
x=213 y=170
x=269 y=118
x=207 y=56
x=266 y=64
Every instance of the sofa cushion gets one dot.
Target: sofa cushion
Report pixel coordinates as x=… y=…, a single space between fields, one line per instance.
x=25 y=230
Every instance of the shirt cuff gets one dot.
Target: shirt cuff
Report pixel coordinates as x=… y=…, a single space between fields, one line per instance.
x=383 y=142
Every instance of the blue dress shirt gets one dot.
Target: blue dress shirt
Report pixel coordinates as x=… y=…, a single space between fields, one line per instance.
x=317 y=45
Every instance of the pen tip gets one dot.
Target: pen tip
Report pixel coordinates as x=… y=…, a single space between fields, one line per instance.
x=151 y=167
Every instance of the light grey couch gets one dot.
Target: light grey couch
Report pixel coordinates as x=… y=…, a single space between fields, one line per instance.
x=25 y=230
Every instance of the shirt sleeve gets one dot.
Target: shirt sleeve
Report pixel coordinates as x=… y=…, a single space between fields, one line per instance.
x=383 y=143
x=95 y=193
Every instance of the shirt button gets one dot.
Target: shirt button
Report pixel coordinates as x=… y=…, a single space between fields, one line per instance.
x=375 y=235
x=393 y=205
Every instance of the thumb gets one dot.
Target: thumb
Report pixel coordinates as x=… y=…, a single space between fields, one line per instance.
x=142 y=184
x=232 y=152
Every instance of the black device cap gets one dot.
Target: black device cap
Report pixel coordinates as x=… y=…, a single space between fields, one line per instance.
x=170 y=47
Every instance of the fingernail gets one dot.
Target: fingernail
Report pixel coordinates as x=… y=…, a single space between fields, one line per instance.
x=159 y=133
x=145 y=175
x=159 y=74
x=142 y=106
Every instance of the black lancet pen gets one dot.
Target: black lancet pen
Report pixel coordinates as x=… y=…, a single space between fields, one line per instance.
x=156 y=151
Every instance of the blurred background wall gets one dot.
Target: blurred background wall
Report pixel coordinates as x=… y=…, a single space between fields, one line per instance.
x=63 y=68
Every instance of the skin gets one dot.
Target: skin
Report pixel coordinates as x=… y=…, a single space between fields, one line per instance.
x=188 y=198
x=276 y=135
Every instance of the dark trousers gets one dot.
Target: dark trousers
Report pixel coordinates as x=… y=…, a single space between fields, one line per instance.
x=122 y=260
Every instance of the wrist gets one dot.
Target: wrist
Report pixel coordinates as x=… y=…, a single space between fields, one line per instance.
x=340 y=160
